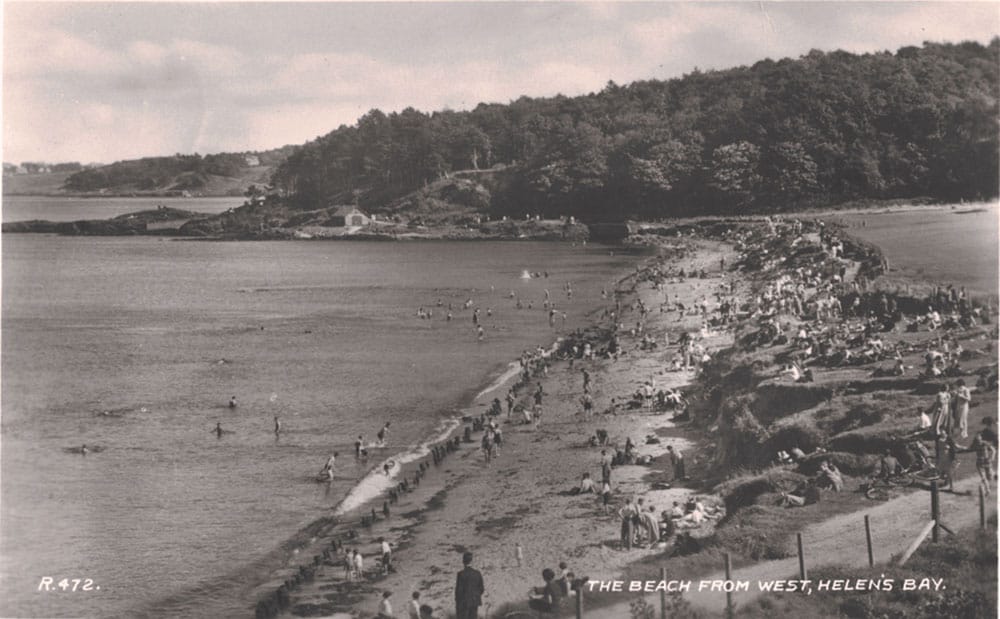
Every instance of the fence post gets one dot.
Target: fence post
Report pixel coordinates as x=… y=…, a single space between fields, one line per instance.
x=868 y=539
x=729 y=594
x=579 y=602
x=663 y=593
x=935 y=511
x=982 y=508
x=802 y=558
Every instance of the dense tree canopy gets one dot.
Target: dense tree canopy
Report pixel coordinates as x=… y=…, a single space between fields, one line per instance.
x=821 y=129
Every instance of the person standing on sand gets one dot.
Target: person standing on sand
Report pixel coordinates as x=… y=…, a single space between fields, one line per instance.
x=358 y=446
x=984 y=448
x=628 y=514
x=510 y=402
x=348 y=565
x=606 y=494
x=487 y=445
x=386 y=556
x=413 y=608
x=277 y=426
x=942 y=411
x=383 y=434
x=359 y=565
x=469 y=590
x=961 y=398
x=384 y=607
x=232 y=402
x=677 y=460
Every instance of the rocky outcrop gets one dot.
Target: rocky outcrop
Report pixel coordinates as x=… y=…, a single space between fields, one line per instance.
x=154 y=221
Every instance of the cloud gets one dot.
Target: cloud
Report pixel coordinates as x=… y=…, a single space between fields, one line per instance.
x=114 y=89
x=50 y=52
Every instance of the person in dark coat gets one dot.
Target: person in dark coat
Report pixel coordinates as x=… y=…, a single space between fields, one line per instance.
x=468 y=590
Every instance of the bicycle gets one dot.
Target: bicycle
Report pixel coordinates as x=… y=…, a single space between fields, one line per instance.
x=931 y=474
x=881 y=488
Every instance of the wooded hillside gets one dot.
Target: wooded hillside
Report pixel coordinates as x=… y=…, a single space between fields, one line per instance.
x=818 y=130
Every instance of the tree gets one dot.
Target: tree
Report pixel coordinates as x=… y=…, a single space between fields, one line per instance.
x=735 y=172
x=789 y=171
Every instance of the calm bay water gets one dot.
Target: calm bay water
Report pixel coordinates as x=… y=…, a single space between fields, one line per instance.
x=24 y=208
x=955 y=245
x=161 y=333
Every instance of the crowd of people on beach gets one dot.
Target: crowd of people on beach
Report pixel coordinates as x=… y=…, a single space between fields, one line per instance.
x=815 y=300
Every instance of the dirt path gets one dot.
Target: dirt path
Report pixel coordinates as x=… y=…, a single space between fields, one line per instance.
x=841 y=541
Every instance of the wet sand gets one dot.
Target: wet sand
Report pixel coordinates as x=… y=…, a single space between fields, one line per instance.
x=521 y=498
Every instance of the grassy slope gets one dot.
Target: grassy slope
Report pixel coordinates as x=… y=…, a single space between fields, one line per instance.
x=967 y=563
x=52 y=184
x=35 y=184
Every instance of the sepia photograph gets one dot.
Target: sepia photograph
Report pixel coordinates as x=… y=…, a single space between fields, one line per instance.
x=499 y=310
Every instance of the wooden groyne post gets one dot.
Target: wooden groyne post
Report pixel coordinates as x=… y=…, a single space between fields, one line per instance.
x=982 y=508
x=802 y=557
x=729 y=593
x=868 y=540
x=663 y=593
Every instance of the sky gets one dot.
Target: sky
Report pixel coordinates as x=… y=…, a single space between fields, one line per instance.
x=101 y=82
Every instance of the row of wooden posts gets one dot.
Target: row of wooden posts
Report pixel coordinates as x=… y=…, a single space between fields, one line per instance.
x=931 y=528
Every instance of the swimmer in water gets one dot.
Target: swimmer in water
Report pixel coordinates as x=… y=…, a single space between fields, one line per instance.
x=218 y=429
x=232 y=402
x=277 y=426
x=383 y=434
x=84 y=450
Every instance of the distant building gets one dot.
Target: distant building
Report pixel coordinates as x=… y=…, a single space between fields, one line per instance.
x=349 y=216
x=251 y=160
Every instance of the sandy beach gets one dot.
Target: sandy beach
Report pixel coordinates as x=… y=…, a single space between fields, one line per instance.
x=524 y=497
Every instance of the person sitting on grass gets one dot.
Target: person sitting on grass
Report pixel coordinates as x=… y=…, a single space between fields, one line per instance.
x=829 y=476
x=801 y=496
x=888 y=465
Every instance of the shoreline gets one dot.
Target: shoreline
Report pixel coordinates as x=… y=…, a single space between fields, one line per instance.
x=487 y=510
x=421 y=506
x=297 y=553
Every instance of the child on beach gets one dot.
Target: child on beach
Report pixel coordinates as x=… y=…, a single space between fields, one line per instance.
x=519 y=554
x=359 y=565
x=348 y=565
x=487 y=445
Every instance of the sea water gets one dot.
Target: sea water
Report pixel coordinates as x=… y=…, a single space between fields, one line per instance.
x=134 y=346
x=947 y=245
